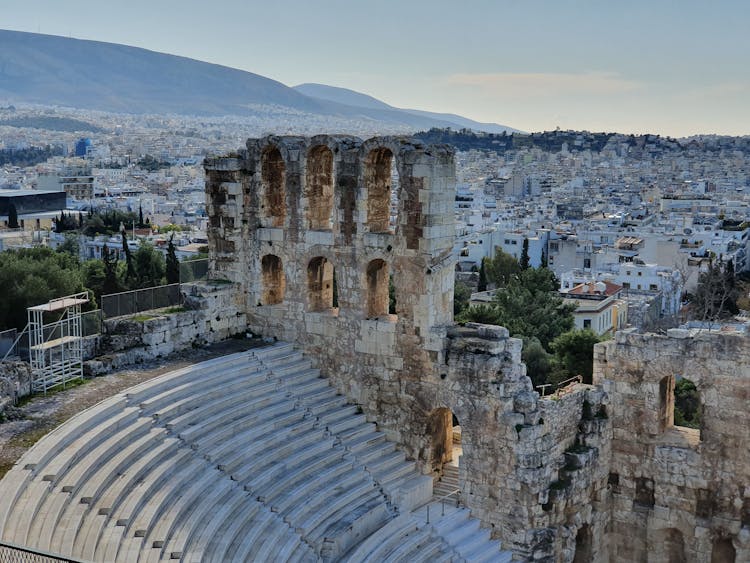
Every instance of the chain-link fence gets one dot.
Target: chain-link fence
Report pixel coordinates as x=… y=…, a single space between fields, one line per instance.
x=193 y=270
x=7 y=338
x=10 y=553
x=132 y=302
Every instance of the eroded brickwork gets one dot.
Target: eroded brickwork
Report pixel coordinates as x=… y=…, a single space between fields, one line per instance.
x=678 y=494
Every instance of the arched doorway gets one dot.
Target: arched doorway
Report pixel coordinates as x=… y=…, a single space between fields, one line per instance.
x=444 y=432
x=583 y=545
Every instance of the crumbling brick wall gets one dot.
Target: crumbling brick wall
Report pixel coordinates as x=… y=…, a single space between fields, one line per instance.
x=678 y=493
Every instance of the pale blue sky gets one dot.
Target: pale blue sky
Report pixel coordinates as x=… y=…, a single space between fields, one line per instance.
x=673 y=67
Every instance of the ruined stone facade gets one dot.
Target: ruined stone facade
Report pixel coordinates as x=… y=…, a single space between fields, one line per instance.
x=678 y=494
x=309 y=231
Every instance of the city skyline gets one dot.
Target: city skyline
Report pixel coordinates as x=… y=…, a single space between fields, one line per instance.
x=671 y=68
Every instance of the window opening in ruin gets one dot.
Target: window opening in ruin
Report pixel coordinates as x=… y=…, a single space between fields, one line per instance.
x=274 y=281
x=319 y=188
x=320 y=274
x=583 y=545
x=381 y=181
x=378 y=282
x=680 y=404
x=723 y=551
x=273 y=176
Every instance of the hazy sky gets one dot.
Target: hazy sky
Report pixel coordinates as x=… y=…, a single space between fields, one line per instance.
x=673 y=67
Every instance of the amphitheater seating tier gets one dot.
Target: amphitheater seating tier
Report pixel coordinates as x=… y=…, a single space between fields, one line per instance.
x=247 y=457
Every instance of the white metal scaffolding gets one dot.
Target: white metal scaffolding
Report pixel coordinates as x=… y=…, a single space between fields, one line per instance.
x=56 y=348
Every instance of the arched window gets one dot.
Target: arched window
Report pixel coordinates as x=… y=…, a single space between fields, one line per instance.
x=319 y=188
x=378 y=183
x=320 y=284
x=274 y=281
x=377 y=288
x=273 y=175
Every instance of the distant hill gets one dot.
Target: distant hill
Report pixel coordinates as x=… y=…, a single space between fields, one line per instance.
x=53 y=70
x=357 y=99
x=51 y=123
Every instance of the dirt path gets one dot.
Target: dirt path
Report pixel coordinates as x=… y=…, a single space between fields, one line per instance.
x=44 y=413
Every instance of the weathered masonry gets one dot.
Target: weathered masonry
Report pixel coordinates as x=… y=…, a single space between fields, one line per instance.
x=312 y=231
x=678 y=494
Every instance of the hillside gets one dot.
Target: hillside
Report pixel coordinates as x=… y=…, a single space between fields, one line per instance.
x=53 y=70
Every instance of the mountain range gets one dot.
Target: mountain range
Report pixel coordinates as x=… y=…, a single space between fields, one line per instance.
x=54 y=70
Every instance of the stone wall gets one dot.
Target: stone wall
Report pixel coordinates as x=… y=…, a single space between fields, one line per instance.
x=210 y=314
x=678 y=494
x=296 y=221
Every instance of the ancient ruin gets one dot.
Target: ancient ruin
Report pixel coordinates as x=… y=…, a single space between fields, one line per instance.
x=307 y=238
x=310 y=232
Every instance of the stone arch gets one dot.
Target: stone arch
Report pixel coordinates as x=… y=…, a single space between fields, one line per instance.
x=584 y=548
x=273 y=177
x=377 y=180
x=319 y=180
x=441 y=424
x=274 y=280
x=378 y=277
x=723 y=551
x=320 y=281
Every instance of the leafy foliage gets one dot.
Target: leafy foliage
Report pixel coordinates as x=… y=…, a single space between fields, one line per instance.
x=173 y=264
x=574 y=354
x=687 y=404
x=30 y=276
x=501 y=268
x=28 y=156
x=461 y=296
x=107 y=222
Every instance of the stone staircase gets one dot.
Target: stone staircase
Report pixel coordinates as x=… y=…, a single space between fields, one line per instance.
x=248 y=457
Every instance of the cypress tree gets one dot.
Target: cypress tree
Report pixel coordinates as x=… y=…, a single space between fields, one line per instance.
x=482 y=285
x=173 y=264
x=524 y=260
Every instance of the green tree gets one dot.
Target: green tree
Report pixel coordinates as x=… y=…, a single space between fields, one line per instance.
x=529 y=306
x=482 y=284
x=173 y=264
x=461 y=296
x=12 y=216
x=70 y=245
x=149 y=266
x=111 y=283
x=538 y=361
x=574 y=354
x=32 y=276
x=524 y=261
x=130 y=275
x=687 y=404
x=501 y=268
x=141 y=224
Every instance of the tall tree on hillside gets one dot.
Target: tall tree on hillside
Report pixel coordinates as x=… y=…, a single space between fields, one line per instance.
x=111 y=283
x=173 y=264
x=524 y=261
x=130 y=274
x=482 y=284
x=141 y=224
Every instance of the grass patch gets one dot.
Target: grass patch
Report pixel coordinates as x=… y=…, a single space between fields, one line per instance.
x=23 y=401
x=173 y=310
x=142 y=318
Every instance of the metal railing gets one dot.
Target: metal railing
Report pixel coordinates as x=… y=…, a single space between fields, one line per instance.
x=559 y=386
x=10 y=553
x=137 y=300
x=442 y=500
x=193 y=270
